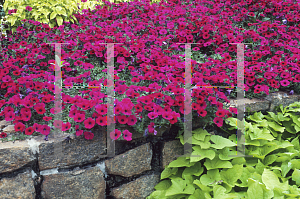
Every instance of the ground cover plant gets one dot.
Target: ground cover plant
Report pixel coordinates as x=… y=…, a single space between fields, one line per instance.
x=272 y=172
x=149 y=68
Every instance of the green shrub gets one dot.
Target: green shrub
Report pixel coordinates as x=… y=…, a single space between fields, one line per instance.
x=50 y=12
x=272 y=172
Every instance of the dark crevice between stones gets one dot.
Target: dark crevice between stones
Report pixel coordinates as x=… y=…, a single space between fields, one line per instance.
x=16 y=172
x=38 y=179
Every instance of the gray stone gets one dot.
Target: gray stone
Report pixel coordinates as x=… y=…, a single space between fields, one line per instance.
x=78 y=184
x=252 y=105
x=57 y=152
x=132 y=162
x=9 y=129
x=14 y=156
x=4 y=123
x=278 y=98
x=170 y=151
x=137 y=189
x=19 y=187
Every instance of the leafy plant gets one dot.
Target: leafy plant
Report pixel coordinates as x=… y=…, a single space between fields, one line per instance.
x=272 y=172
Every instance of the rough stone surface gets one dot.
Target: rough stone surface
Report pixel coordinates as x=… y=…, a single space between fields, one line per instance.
x=9 y=129
x=253 y=105
x=132 y=162
x=82 y=184
x=61 y=153
x=137 y=189
x=19 y=187
x=278 y=98
x=170 y=151
x=14 y=156
x=4 y=123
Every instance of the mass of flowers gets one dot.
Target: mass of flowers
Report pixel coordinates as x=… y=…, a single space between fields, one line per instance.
x=149 y=65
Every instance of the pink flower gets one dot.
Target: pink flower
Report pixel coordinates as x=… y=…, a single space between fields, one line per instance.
x=127 y=135
x=79 y=132
x=218 y=121
x=28 y=8
x=19 y=127
x=89 y=123
x=285 y=82
x=45 y=129
x=115 y=134
x=88 y=135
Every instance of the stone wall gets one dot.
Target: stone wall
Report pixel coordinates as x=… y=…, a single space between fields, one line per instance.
x=77 y=168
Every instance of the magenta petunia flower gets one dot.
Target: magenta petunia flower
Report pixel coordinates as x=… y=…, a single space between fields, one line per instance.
x=28 y=8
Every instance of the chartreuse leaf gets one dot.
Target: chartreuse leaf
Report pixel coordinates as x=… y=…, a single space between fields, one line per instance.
x=295 y=142
x=199 y=134
x=282 y=118
x=261 y=134
x=219 y=193
x=204 y=144
x=217 y=163
x=230 y=176
x=226 y=154
x=163 y=185
x=203 y=187
x=181 y=162
x=295 y=163
x=288 y=126
x=167 y=172
x=197 y=194
x=269 y=159
x=221 y=142
x=202 y=153
x=276 y=127
x=257 y=117
x=296 y=176
x=195 y=170
x=210 y=178
x=59 y=20
x=271 y=181
x=179 y=186
x=258 y=190
x=285 y=168
x=274 y=117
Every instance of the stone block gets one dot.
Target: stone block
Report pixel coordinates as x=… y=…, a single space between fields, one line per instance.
x=132 y=162
x=170 y=151
x=78 y=184
x=137 y=189
x=19 y=187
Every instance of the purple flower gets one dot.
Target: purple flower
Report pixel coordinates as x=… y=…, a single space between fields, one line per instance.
x=146 y=132
x=46 y=137
x=291 y=92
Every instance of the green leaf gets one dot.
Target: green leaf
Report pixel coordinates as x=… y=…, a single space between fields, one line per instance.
x=276 y=127
x=167 y=172
x=163 y=185
x=296 y=176
x=221 y=142
x=270 y=179
x=199 y=134
x=59 y=20
x=255 y=190
x=53 y=15
x=217 y=163
x=179 y=186
x=230 y=176
x=211 y=177
x=195 y=170
x=181 y=161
